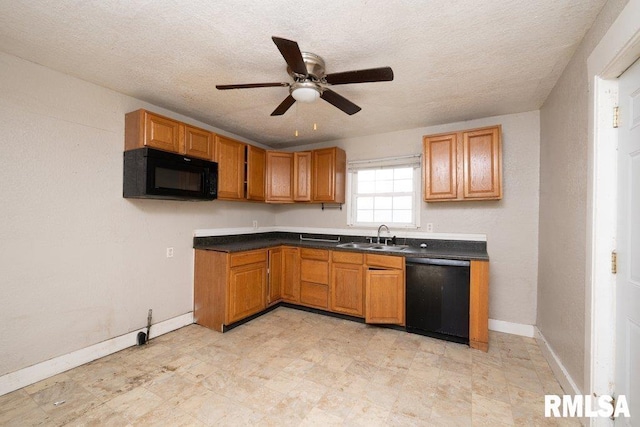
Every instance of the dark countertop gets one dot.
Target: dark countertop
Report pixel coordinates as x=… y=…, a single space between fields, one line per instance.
x=443 y=249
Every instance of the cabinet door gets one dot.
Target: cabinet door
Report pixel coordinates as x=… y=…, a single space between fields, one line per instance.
x=275 y=276
x=162 y=133
x=145 y=129
x=329 y=170
x=279 y=177
x=198 y=143
x=302 y=176
x=230 y=158
x=247 y=291
x=482 y=157
x=314 y=295
x=256 y=164
x=384 y=301
x=314 y=277
x=440 y=167
x=291 y=274
x=347 y=289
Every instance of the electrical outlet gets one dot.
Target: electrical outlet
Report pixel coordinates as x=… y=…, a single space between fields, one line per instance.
x=255 y=223
x=429 y=227
x=169 y=252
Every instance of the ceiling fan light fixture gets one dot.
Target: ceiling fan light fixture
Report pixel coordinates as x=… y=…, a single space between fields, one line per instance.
x=305 y=92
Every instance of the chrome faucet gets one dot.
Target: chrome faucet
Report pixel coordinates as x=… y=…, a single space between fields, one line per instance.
x=380 y=229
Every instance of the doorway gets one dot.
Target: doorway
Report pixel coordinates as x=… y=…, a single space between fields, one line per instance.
x=617 y=50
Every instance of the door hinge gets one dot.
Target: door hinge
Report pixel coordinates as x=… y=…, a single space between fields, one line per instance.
x=614 y=262
x=616 y=117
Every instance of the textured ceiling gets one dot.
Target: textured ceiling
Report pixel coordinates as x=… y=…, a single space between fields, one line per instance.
x=452 y=60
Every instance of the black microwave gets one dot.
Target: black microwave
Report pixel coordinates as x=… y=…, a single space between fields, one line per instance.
x=155 y=174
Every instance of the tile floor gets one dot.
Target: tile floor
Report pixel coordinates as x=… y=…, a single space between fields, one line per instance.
x=290 y=367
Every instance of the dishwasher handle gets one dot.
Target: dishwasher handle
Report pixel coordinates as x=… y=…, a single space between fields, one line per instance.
x=438 y=261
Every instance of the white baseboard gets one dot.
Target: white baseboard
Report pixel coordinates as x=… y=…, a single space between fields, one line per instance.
x=32 y=374
x=512 y=328
x=566 y=382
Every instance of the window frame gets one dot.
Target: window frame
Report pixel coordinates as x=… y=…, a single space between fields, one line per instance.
x=386 y=163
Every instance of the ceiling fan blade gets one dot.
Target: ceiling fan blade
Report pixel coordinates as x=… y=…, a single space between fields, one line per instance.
x=292 y=55
x=251 y=85
x=284 y=106
x=383 y=74
x=340 y=102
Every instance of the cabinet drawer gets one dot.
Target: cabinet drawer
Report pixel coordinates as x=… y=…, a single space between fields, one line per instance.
x=314 y=294
x=319 y=254
x=242 y=258
x=314 y=271
x=384 y=261
x=347 y=257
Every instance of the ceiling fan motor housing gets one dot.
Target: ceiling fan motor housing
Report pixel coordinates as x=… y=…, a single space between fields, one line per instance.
x=314 y=64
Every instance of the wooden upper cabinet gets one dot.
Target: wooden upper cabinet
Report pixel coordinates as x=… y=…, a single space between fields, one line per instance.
x=230 y=157
x=440 y=167
x=199 y=143
x=329 y=166
x=241 y=170
x=464 y=165
x=302 y=176
x=482 y=164
x=146 y=129
x=256 y=165
x=279 y=177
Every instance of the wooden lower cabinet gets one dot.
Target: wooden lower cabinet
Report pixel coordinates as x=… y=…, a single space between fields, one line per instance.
x=347 y=283
x=228 y=287
x=479 y=305
x=231 y=287
x=247 y=291
x=385 y=290
x=314 y=278
x=275 y=276
x=291 y=274
x=314 y=294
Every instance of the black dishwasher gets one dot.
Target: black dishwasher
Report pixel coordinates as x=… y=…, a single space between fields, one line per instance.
x=437 y=298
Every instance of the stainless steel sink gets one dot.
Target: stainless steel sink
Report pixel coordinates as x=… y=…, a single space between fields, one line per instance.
x=373 y=246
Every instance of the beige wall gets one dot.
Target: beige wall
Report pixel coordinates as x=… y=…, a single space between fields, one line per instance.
x=78 y=263
x=563 y=206
x=511 y=225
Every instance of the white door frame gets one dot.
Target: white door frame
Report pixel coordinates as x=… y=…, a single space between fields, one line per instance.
x=615 y=52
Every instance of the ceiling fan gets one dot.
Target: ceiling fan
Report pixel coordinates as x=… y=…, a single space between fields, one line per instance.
x=310 y=81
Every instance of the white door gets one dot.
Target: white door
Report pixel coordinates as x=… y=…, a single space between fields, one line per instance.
x=628 y=246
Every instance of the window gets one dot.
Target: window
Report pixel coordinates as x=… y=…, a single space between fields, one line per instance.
x=384 y=191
